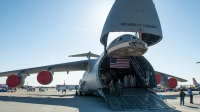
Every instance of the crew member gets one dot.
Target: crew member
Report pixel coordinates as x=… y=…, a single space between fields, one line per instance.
x=112 y=88
x=132 y=81
x=128 y=81
x=119 y=87
x=135 y=81
x=182 y=96
x=191 y=95
x=125 y=81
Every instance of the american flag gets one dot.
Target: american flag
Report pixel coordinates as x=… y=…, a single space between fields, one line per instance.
x=119 y=63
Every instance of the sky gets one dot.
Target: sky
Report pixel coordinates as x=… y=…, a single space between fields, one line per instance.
x=36 y=33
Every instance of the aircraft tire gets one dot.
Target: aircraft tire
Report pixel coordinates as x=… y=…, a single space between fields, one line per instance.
x=80 y=93
x=76 y=93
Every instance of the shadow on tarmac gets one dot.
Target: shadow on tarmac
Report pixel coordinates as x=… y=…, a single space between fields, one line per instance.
x=191 y=107
x=175 y=96
x=63 y=95
x=83 y=103
x=80 y=102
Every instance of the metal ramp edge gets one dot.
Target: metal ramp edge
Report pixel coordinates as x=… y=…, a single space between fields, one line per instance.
x=134 y=99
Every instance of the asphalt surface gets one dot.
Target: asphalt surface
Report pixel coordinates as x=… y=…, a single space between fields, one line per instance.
x=53 y=101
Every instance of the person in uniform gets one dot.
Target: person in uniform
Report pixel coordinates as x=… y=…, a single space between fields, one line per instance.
x=182 y=96
x=191 y=95
x=119 y=87
x=112 y=88
x=128 y=81
x=125 y=81
x=135 y=81
x=132 y=81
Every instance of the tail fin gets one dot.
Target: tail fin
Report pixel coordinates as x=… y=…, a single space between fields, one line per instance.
x=194 y=81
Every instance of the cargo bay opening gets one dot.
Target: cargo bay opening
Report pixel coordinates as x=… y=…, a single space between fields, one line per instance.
x=139 y=67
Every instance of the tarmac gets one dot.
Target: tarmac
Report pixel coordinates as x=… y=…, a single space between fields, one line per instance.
x=54 y=101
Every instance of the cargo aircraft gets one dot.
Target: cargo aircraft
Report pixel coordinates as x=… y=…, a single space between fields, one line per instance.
x=123 y=56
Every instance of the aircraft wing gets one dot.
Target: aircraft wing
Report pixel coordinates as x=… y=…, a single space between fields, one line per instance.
x=177 y=78
x=71 y=66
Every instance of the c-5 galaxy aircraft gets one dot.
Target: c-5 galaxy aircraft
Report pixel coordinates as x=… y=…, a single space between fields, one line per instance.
x=122 y=57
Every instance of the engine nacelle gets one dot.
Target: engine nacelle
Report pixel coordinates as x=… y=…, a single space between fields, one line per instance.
x=165 y=82
x=14 y=81
x=172 y=82
x=169 y=83
x=44 y=77
x=158 y=79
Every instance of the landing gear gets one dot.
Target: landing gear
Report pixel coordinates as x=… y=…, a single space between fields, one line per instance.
x=80 y=93
x=76 y=93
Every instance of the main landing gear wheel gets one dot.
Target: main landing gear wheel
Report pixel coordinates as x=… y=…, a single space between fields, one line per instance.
x=80 y=93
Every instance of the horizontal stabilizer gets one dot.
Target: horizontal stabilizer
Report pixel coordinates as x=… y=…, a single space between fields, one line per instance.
x=88 y=55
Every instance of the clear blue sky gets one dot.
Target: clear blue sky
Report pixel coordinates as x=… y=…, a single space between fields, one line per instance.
x=37 y=33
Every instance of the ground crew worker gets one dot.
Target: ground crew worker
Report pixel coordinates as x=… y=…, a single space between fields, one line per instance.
x=135 y=81
x=119 y=87
x=132 y=81
x=112 y=88
x=182 y=96
x=125 y=81
x=191 y=95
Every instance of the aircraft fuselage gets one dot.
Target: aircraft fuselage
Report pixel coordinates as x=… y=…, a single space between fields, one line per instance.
x=97 y=68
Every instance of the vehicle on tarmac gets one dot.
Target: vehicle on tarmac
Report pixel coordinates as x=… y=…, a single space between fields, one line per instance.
x=30 y=88
x=41 y=89
x=66 y=87
x=4 y=88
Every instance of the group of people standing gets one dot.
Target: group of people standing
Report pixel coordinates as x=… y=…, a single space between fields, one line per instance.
x=182 y=96
x=130 y=81
x=118 y=85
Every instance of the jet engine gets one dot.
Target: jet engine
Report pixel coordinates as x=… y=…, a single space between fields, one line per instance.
x=158 y=79
x=45 y=77
x=14 y=81
x=166 y=82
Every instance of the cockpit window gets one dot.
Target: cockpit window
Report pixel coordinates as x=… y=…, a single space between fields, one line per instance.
x=132 y=37
x=118 y=39
x=124 y=37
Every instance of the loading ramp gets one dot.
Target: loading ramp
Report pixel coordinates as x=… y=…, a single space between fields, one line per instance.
x=134 y=99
